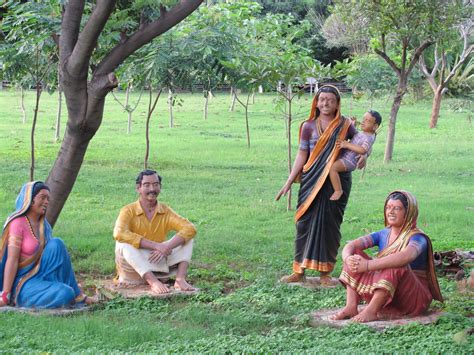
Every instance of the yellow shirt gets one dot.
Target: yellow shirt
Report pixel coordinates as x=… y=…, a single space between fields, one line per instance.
x=132 y=225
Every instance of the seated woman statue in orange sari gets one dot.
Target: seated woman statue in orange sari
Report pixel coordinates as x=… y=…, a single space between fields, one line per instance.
x=400 y=280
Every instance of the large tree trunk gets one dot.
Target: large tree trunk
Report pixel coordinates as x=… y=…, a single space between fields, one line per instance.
x=85 y=97
x=57 y=130
x=436 y=106
x=85 y=105
x=401 y=90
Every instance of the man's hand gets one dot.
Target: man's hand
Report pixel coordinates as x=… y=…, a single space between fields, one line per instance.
x=160 y=251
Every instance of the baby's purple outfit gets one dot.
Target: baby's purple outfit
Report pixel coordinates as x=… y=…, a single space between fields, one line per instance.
x=348 y=157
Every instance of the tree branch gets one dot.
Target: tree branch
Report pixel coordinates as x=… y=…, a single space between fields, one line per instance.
x=388 y=60
x=429 y=76
x=417 y=55
x=70 y=25
x=87 y=40
x=146 y=34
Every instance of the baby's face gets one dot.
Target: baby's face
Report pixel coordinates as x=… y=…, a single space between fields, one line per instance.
x=368 y=123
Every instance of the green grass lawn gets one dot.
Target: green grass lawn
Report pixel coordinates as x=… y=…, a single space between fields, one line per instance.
x=245 y=238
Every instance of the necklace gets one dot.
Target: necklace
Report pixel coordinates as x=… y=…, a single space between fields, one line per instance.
x=31 y=228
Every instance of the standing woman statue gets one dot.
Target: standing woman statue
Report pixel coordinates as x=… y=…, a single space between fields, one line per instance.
x=318 y=219
x=35 y=268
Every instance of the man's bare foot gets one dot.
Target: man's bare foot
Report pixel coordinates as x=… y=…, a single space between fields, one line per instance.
x=336 y=195
x=294 y=277
x=159 y=288
x=183 y=285
x=365 y=316
x=345 y=313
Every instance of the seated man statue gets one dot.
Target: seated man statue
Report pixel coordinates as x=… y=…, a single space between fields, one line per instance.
x=142 y=251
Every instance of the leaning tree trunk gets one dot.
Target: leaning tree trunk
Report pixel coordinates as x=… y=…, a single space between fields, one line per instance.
x=436 y=106
x=401 y=90
x=85 y=98
x=58 y=116
x=85 y=103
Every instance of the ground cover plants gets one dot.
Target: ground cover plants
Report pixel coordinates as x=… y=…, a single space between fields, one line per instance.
x=245 y=238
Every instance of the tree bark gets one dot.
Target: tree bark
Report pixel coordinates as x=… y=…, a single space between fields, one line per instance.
x=151 y=108
x=436 y=106
x=232 y=97
x=170 y=105
x=85 y=98
x=206 y=103
x=22 y=105
x=247 y=120
x=288 y=201
x=401 y=90
x=33 y=128
x=127 y=108
x=58 y=116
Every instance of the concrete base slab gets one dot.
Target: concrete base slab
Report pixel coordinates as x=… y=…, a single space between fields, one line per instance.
x=61 y=312
x=321 y=318
x=110 y=289
x=314 y=282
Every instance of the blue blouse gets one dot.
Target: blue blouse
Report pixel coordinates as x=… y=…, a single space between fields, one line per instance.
x=380 y=239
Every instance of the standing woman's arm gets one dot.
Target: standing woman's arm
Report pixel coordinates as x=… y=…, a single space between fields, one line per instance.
x=300 y=161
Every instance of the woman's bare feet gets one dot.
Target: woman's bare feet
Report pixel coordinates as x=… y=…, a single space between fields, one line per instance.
x=365 y=316
x=183 y=285
x=345 y=313
x=294 y=277
x=336 y=195
x=159 y=288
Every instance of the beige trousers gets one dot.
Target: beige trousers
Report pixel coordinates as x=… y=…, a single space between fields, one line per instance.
x=133 y=263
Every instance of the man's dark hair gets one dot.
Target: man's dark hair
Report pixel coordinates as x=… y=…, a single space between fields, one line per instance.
x=400 y=197
x=377 y=116
x=146 y=172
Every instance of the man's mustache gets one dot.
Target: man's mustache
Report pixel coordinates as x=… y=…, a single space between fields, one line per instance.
x=152 y=193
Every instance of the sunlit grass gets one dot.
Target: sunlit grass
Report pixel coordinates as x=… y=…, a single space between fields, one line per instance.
x=245 y=238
